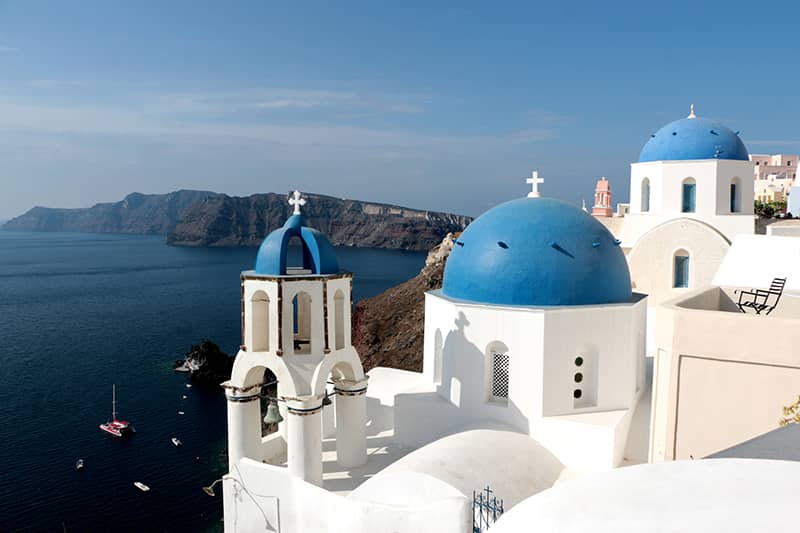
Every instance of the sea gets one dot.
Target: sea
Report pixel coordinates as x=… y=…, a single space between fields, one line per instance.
x=82 y=312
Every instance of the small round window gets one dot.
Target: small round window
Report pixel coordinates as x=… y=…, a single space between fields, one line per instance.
x=578 y=361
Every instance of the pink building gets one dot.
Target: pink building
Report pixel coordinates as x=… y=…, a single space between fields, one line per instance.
x=602 y=199
x=783 y=166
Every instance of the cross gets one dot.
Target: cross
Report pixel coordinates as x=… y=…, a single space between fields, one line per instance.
x=296 y=201
x=534 y=180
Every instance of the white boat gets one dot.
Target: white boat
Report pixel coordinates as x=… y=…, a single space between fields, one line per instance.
x=184 y=397
x=141 y=486
x=176 y=441
x=181 y=413
x=79 y=464
x=188 y=385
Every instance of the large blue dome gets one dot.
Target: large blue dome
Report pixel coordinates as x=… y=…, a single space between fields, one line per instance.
x=537 y=252
x=694 y=138
x=319 y=256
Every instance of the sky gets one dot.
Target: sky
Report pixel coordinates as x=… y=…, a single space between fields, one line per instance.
x=445 y=107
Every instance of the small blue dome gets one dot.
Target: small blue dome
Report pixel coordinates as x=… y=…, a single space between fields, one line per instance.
x=319 y=255
x=537 y=252
x=694 y=138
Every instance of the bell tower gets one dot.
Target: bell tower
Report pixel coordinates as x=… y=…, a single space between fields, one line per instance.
x=296 y=316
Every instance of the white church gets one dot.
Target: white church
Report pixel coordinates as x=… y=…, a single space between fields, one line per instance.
x=537 y=381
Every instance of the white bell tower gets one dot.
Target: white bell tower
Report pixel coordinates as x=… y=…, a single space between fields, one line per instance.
x=296 y=322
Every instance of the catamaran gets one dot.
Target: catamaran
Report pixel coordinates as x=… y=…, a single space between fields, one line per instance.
x=118 y=428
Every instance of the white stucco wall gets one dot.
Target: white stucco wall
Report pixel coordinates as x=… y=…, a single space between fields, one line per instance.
x=755 y=260
x=543 y=344
x=713 y=178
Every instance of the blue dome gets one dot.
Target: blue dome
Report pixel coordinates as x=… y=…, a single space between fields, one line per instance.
x=537 y=252
x=319 y=255
x=694 y=138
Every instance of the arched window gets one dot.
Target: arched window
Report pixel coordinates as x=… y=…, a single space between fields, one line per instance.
x=267 y=392
x=437 y=357
x=736 y=195
x=680 y=275
x=645 y=195
x=688 y=195
x=499 y=362
x=338 y=319
x=301 y=313
x=259 y=322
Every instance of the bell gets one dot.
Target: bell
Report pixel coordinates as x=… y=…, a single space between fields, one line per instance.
x=273 y=414
x=326 y=400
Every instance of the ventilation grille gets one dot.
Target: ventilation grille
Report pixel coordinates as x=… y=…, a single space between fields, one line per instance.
x=500 y=366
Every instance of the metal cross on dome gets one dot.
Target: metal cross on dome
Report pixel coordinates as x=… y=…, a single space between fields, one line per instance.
x=296 y=201
x=534 y=180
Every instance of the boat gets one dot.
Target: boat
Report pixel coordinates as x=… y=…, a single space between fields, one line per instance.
x=188 y=385
x=79 y=464
x=116 y=427
x=181 y=413
x=176 y=441
x=141 y=486
x=184 y=397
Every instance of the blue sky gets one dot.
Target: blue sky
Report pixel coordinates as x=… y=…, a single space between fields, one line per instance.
x=445 y=108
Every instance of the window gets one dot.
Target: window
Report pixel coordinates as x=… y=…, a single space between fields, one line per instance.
x=688 y=196
x=788 y=163
x=645 y=195
x=584 y=379
x=681 y=269
x=437 y=357
x=500 y=367
x=338 y=319
x=735 y=196
x=259 y=322
x=301 y=312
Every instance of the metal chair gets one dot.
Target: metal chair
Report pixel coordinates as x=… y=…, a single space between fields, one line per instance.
x=760 y=299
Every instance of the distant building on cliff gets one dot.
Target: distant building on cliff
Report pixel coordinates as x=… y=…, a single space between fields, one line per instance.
x=602 y=199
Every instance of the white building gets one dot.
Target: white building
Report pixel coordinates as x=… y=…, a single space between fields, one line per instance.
x=690 y=196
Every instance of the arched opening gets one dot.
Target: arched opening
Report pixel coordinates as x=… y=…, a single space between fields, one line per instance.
x=680 y=276
x=688 y=195
x=437 y=357
x=301 y=313
x=268 y=394
x=736 y=195
x=259 y=322
x=296 y=260
x=645 y=195
x=338 y=319
x=499 y=363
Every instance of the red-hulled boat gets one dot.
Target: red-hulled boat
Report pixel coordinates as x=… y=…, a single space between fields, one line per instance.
x=118 y=428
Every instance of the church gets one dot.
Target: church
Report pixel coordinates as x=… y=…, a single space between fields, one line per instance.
x=536 y=376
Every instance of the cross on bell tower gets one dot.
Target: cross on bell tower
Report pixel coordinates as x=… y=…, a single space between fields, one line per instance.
x=534 y=181
x=296 y=201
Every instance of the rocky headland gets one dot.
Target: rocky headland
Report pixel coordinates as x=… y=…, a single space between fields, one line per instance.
x=244 y=221
x=206 y=364
x=202 y=218
x=142 y=214
x=388 y=329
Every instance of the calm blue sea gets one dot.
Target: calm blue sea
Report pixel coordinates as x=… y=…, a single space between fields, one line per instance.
x=79 y=312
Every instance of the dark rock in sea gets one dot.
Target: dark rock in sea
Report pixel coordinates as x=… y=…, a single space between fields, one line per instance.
x=144 y=214
x=388 y=329
x=207 y=364
x=245 y=221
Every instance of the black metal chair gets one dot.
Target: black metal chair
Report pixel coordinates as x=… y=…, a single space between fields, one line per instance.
x=762 y=300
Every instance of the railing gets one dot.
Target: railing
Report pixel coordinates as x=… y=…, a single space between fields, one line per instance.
x=486 y=509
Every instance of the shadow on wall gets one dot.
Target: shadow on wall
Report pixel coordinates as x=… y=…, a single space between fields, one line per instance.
x=462 y=397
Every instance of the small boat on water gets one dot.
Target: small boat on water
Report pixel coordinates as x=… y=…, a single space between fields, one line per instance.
x=79 y=464
x=141 y=486
x=181 y=413
x=184 y=397
x=116 y=427
x=176 y=441
x=188 y=385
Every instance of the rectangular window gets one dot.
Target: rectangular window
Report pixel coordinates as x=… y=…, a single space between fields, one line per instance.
x=500 y=372
x=688 y=198
x=734 y=207
x=681 y=271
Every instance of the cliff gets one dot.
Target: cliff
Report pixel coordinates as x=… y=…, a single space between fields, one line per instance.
x=244 y=221
x=388 y=329
x=146 y=214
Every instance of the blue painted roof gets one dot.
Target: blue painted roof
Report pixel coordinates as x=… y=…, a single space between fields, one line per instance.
x=537 y=252
x=319 y=255
x=694 y=138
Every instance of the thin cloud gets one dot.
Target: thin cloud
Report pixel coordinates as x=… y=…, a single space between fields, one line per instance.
x=7 y=49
